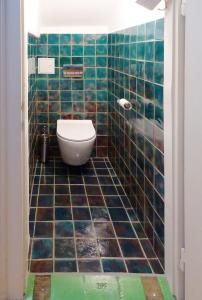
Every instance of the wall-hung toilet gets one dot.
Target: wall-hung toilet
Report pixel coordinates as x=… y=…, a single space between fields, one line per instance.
x=76 y=139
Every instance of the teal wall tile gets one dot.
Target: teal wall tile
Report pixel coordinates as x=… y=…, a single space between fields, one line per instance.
x=53 y=38
x=65 y=50
x=65 y=39
x=138 y=76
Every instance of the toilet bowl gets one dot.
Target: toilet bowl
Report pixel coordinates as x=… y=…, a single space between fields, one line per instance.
x=76 y=139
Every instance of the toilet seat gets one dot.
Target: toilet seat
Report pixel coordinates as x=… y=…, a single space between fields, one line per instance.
x=76 y=130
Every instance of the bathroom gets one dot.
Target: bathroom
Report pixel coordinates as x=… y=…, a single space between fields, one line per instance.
x=101 y=149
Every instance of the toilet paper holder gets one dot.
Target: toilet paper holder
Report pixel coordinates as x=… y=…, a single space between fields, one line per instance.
x=125 y=104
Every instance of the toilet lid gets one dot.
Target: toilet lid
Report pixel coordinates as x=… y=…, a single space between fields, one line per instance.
x=75 y=130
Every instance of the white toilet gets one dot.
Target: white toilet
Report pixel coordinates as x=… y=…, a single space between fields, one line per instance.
x=76 y=139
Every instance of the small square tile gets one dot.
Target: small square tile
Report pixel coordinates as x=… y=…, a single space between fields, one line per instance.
x=41 y=266
x=113 y=201
x=61 y=179
x=86 y=248
x=96 y=201
x=64 y=248
x=46 y=189
x=124 y=230
x=42 y=248
x=113 y=265
x=105 y=180
x=61 y=189
x=45 y=200
x=104 y=230
x=44 y=214
x=79 y=200
x=109 y=248
x=84 y=229
x=63 y=213
x=100 y=214
x=109 y=190
x=90 y=180
x=93 y=190
x=118 y=214
x=65 y=266
x=138 y=266
x=77 y=190
x=81 y=213
x=64 y=229
x=131 y=248
x=75 y=179
x=62 y=200
x=43 y=230
x=89 y=266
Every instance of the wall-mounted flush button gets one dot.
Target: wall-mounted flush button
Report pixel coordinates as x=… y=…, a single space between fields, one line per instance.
x=46 y=65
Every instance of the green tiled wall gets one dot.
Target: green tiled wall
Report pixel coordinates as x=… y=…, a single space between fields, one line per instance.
x=32 y=101
x=75 y=98
x=136 y=147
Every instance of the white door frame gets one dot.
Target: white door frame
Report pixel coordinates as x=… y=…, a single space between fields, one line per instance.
x=174 y=145
x=13 y=191
x=13 y=150
x=193 y=151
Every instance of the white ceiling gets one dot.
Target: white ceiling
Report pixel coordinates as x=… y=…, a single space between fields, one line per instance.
x=92 y=16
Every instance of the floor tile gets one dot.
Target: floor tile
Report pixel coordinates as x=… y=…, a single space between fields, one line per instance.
x=44 y=230
x=104 y=230
x=81 y=213
x=65 y=266
x=63 y=213
x=113 y=265
x=61 y=189
x=113 y=201
x=96 y=201
x=138 y=266
x=118 y=214
x=75 y=179
x=100 y=214
x=82 y=221
x=45 y=200
x=62 y=200
x=84 y=229
x=89 y=266
x=44 y=214
x=42 y=248
x=77 y=190
x=46 y=189
x=60 y=179
x=90 y=180
x=124 y=230
x=64 y=248
x=109 y=248
x=109 y=190
x=86 y=248
x=131 y=248
x=93 y=190
x=41 y=266
x=64 y=229
x=79 y=200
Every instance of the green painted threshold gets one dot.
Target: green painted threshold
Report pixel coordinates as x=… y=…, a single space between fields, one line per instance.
x=165 y=288
x=97 y=287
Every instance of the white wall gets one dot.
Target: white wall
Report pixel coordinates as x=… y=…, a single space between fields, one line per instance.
x=32 y=16
x=89 y=16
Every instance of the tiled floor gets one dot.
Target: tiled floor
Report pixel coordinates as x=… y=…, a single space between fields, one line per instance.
x=81 y=221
